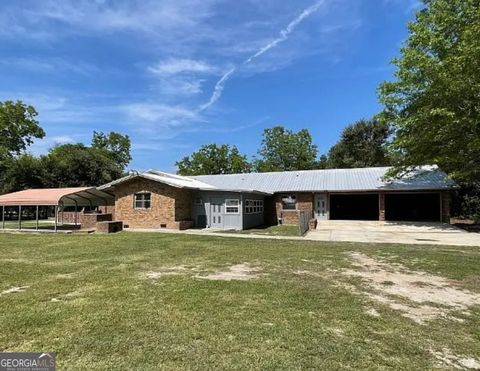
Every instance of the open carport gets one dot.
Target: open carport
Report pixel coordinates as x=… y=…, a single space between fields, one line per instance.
x=415 y=207
x=361 y=206
x=36 y=203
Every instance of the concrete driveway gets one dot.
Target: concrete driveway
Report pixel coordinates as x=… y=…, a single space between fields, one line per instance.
x=393 y=232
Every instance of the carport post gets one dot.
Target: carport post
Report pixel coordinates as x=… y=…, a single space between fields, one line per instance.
x=36 y=219
x=56 y=216
x=3 y=217
x=76 y=210
x=19 y=217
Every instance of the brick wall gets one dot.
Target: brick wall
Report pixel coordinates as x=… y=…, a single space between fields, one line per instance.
x=169 y=205
x=304 y=203
x=89 y=220
x=446 y=198
x=68 y=217
x=381 y=206
x=110 y=209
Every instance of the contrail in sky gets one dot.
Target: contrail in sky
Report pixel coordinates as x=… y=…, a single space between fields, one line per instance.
x=284 y=34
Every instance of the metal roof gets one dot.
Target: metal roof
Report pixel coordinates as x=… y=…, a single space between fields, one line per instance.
x=82 y=196
x=177 y=181
x=332 y=180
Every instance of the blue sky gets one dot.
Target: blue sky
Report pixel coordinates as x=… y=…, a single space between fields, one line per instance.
x=176 y=74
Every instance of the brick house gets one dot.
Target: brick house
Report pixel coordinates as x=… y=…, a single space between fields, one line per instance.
x=156 y=199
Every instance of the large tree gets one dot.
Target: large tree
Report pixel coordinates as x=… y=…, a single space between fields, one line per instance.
x=21 y=172
x=284 y=150
x=76 y=165
x=434 y=102
x=214 y=159
x=361 y=144
x=18 y=127
x=115 y=145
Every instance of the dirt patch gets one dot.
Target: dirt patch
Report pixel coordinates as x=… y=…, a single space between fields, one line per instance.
x=14 y=290
x=373 y=312
x=446 y=358
x=417 y=295
x=169 y=271
x=237 y=272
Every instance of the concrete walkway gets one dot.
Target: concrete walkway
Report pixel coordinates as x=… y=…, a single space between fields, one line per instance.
x=393 y=232
x=361 y=231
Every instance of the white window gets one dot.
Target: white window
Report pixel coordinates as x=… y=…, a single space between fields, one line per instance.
x=142 y=200
x=232 y=206
x=253 y=206
x=289 y=202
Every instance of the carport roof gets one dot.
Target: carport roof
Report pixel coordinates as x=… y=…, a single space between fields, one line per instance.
x=83 y=196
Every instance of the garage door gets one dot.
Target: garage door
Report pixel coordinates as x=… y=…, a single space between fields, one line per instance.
x=421 y=207
x=354 y=207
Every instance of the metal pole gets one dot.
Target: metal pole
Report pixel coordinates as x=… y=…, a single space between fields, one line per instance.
x=3 y=217
x=36 y=227
x=19 y=217
x=76 y=211
x=56 y=216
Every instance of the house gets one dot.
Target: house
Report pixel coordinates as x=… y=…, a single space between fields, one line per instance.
x=155 y=199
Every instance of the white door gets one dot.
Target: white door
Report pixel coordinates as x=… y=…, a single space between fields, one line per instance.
x=321 y=207
x=216 y=213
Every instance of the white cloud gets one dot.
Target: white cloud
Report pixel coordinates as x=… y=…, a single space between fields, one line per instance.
x=62 y=139
x=50 y=65
x=284 y=34
x=218 y=89
x=160 y=115
x=181 y=76
x=183 y=46
x=176 y=66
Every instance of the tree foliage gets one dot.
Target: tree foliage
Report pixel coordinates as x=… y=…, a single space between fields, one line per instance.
x=18 y=127
x=434 y=103
x=21 y=172
x=214 y=159
x=284 y=150
x=115 y=145
x=76 y=165
x=361 y=144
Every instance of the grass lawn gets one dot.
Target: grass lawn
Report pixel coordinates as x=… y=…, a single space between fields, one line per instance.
x=28 y=224
x=152 y=301
x=276 y=230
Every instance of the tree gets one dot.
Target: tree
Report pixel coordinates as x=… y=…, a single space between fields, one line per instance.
x=361 y=144
x=21 y=172
x=76 y=165
x=284 y=150
x=214 y=159
x=434 y=100
x=18 y=127
x=116 y=146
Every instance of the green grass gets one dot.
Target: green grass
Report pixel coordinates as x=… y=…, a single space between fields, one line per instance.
x=276 y=230
x=27 y=224
x=109 y=316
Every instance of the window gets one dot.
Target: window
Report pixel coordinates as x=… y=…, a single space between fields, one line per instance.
x=142 y=200
x=198 y=201
x=253 y=206
x=232 y=206
x=289 y=202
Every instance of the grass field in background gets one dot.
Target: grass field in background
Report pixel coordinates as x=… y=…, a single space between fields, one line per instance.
x=141 y=301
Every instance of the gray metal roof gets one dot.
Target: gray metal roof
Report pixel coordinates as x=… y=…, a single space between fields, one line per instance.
x=332 y=180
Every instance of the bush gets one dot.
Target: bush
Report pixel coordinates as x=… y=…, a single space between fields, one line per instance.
x=466 y=202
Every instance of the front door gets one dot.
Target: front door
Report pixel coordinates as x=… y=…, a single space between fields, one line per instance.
x=321 y=207
x=216 y=213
